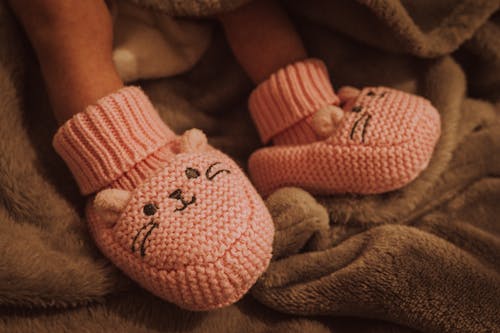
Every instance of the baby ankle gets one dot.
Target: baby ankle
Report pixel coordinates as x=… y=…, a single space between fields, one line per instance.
x=283 y=105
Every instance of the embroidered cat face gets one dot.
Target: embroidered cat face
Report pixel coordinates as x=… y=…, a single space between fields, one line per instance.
x=383 y=141
x=190 y=213
x=196 y=233
x=379 y=116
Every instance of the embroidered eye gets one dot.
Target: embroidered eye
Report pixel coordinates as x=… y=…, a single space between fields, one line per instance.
x=211 y=175
x=149 y=209
x=370 y=93
x=177 y=194
x=192 y=173
x=357 y=109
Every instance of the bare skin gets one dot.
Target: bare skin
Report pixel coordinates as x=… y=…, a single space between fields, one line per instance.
x=262 y=38
x=74 y=50
x=73 y=41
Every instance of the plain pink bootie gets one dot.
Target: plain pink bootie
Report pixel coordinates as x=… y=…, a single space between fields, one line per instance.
x=173 y=213
x=381 y=142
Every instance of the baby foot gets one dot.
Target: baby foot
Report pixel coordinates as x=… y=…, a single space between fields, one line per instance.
x=173 y=213
x=384 y=139
x=296 y=105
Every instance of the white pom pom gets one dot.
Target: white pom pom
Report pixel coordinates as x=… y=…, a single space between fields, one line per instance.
x=325 y=120
x=192 y=140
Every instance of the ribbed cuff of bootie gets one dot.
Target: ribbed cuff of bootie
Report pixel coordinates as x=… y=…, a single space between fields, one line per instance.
x=290 y=95
x=110 y=137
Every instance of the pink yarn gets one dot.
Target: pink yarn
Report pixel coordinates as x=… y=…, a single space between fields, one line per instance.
x=384 y=141
x=193 y=229
x=110 y=138
x=290 y=95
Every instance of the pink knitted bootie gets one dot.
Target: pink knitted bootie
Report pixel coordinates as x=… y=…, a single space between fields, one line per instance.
x=383 y=140
x=173 y=213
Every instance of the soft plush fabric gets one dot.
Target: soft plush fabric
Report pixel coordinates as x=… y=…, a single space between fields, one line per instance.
x=421 y=259
x=199 y=8
x=173 y=213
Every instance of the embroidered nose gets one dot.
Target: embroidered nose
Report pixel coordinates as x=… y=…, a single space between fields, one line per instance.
x=177 y=195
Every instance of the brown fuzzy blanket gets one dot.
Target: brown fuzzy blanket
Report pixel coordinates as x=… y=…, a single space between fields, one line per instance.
x=425 y=258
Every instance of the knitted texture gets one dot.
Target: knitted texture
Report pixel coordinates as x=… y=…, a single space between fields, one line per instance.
x=110 y=137
x=290 y=95
x=384 y=141
x=183 y=221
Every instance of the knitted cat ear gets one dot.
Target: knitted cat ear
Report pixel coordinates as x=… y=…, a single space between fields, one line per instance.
x=326 y=119
x=110 y=203
x=347 y=93
x=192 y=140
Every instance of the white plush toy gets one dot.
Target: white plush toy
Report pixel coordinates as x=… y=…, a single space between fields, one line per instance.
x=148 y=44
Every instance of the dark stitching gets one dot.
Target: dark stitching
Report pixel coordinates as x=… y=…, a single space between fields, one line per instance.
x=371 y=93
x=355 y=125
x=229 y=247
x=143 y=250
x=357 y=109
x=383 y=94
x=149 y=209
x=177 y=194
x=215 y=174
x=367 y=118
x=192 y=173
x=364 y=128
x=185 y=204
x=137 y=235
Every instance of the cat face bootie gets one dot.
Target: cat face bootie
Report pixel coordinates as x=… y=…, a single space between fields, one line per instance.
x=383 y=141
x=173 y=213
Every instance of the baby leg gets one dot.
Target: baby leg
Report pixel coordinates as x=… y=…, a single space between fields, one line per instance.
x=73 y=41
x=173 y=213
x=266 y=44
x=382 y=141
x=262 y=38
